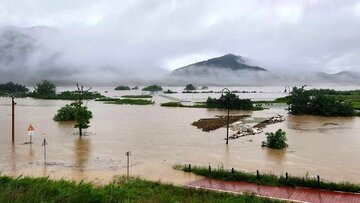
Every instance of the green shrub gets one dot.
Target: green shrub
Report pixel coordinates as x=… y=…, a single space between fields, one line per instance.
x=275 y=140
x=65 y=113
x=230 y=100
x=152 y=88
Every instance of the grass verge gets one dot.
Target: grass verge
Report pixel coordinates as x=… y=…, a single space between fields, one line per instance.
x=269 y=179
x=28 y=189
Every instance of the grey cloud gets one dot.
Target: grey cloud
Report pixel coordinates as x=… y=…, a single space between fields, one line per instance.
x=110 y=42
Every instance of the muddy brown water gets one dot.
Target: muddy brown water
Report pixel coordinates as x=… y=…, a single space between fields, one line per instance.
x=159 y=137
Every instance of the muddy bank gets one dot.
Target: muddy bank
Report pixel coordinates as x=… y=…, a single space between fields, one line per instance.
x=210 y=124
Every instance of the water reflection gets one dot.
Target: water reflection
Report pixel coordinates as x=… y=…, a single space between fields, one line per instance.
x=277 y=156
x=82 y=152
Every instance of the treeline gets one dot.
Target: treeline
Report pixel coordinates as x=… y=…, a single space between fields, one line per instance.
x=319 y=102
x=44 y=90
x=230 y=101
x=13 y=88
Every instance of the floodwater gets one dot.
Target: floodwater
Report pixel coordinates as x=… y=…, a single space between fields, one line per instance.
x=159 y=137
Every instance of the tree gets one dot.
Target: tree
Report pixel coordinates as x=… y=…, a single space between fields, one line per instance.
x=317 y=102
x=82 y=116
x=76 y=111
x=13 y=88
x=190 y=87
x=45 y=89
x=275 y=140
x=229 y=100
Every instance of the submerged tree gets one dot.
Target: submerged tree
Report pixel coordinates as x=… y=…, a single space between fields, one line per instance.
x=45 y=90
x=76 y=111
x=275 y=140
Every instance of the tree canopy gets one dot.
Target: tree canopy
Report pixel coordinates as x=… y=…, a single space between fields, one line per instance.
x=230 y=100
x=45 y=90
x=317 y=102
x=13 y=88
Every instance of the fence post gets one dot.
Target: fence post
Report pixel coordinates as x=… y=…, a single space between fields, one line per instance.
x=286 y=175
x=318 y=180
x=209 y=169
x=232 y=170
x=257 y=173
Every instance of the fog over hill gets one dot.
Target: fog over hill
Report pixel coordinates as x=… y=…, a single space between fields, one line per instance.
x=235 y=70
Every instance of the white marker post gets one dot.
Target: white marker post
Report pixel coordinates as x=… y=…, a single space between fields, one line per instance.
x=44 y=145
x=128 y=161
x=30 y=132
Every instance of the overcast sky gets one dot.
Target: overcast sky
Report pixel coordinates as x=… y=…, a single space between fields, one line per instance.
x=151 y=35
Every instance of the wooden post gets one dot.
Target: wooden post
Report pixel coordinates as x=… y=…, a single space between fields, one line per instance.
x=318 y=180
x=257 y=173
x=189 y=167
x=232 y=170
x=209 y=169
x=13 y=119
x=286 y=175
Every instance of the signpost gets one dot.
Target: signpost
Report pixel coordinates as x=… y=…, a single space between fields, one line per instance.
x=44 y=145
x=30 y=132
x=128 y=161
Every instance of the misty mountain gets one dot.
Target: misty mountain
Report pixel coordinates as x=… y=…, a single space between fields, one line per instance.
x=228 y=62
x=236 y=70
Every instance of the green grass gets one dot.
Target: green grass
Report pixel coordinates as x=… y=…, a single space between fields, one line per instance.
x=126 y=101
x=137 y=96
x=197 y=105
x=270 y=179
x=131 y=101
x=27 y=189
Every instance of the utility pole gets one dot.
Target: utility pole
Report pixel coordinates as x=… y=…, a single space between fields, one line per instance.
x=228 y=111
x=12 y=118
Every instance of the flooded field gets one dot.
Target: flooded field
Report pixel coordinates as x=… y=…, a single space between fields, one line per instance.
x=159 y=137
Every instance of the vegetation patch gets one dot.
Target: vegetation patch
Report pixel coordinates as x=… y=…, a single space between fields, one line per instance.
x=269 y=179
x=153 y=88
x=231 y=101
x=127 y=101
x=13 y=88
x=275 y=140
x=190 y=87
x=210 y=124
x=145 y=96
x=320 y=102
x=122 y=87
x=27 y=189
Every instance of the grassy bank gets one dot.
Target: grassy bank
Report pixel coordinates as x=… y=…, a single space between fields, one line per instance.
x=26 y=189
x=269 y=179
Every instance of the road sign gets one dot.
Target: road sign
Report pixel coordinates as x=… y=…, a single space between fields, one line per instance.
x=30 y=128
x=30 y=132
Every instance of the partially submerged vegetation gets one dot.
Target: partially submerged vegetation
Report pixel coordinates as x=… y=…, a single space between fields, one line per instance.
x=319 y=102
x=126 y=101
x=76 y=111
x=190 y=87
x=210 y=124
x=27 y=189
x=269 y=179
x=144 y=96
x=231 y=101
x=152 y=88
x=275 y=140
x=13 y=88
x=122 y=87
x=179 y=104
